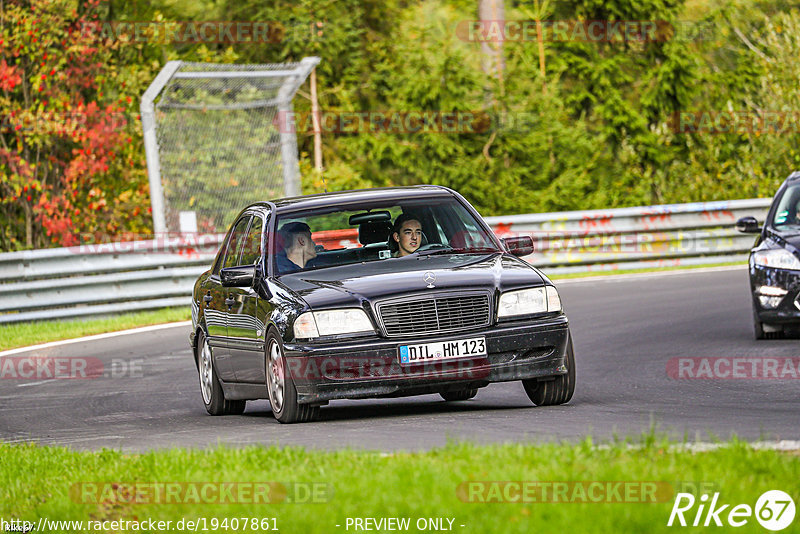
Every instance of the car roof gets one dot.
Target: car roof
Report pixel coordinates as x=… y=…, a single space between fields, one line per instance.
x=356 y=195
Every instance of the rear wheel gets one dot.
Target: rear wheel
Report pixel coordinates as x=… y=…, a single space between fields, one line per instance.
x=213 y=396
x=556 y=391
x=282 y=391
x=464 y=394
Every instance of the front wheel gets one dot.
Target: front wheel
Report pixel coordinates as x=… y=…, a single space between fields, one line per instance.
x=213 y=396
x=556 y=391
x=758 y=329
x=767 y=331
x=282 y=391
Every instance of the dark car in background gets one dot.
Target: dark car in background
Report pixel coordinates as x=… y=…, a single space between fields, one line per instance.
x=359 y=321
x=775 y=263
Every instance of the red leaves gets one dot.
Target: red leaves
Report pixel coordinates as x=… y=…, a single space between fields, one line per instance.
x=9 y=78
x=76 y=119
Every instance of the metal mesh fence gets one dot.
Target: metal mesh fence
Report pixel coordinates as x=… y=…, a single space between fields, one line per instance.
x=221 y=142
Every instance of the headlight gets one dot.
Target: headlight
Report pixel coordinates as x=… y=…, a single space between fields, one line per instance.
x=529 y=301
x=331 y=322
x=777 y=259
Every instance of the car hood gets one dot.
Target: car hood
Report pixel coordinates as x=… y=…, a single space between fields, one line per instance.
x=787 y=240
x=358 y=284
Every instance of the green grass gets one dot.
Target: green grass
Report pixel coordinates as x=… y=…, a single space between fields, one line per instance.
x=36 y=482
x=23 y=334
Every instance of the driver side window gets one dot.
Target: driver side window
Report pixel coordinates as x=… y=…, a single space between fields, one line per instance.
x=235 y=242
x=252 y=245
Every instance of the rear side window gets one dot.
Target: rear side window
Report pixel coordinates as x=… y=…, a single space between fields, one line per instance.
x=252 y=244
x=235 y=242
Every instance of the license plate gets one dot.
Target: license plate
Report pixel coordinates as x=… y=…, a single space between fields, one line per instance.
x=443 y=350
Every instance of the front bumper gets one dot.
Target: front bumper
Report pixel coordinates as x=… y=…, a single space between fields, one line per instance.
x=788 y=310
x=371 y=367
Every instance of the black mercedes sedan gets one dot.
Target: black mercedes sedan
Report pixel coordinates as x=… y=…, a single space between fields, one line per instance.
x=373 y=293
x=775 y=263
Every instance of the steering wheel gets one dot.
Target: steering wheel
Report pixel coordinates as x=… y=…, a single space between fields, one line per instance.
x=432 y=246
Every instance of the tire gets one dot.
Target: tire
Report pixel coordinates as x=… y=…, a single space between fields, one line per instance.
x=464 y=394
x=790 y=331
x=767 y=331
x=758 y=329
x=210 y=389
x=556 y=391
x=282 y=391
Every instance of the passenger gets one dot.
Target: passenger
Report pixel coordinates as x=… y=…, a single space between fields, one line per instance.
x=406 y=235
x=298 y=247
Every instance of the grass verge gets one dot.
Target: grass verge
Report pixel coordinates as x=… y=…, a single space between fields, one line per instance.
x=323 y=489
x=23 y=334
x=566 y=276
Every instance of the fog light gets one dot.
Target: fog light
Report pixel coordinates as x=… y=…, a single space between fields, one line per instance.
x=769 y=302
x=770 y=296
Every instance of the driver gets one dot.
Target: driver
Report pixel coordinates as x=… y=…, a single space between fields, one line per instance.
x=298 y=247
x=406 y=235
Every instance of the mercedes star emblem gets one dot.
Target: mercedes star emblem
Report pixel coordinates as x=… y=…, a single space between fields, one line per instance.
x=429 y=279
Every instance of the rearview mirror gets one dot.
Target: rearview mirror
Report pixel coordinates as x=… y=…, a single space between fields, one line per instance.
x=368 y=217
x=518 y=246
x=748 y=225
x=240 y=276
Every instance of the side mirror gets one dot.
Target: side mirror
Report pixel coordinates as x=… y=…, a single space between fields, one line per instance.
x=518 y=246
x=240 y=276
x=748 y=225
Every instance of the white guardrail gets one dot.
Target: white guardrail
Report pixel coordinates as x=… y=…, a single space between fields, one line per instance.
x=128 y=276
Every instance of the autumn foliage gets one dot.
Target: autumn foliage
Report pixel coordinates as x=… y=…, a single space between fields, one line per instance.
x=71 y=161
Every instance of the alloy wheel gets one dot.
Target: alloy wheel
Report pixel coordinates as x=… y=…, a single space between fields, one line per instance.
x=206 y=372
x=275 y=373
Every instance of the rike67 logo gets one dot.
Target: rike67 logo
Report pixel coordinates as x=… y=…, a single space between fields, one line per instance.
x=774 y=510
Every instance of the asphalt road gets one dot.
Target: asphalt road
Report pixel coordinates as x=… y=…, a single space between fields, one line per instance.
x=625 y=331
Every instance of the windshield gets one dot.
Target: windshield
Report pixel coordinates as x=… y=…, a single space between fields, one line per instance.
x=786 y=215
x=385 y=231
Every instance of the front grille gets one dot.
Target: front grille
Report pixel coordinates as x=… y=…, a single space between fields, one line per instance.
x=435 y=314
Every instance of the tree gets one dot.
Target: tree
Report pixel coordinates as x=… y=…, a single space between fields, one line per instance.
x=68 y=160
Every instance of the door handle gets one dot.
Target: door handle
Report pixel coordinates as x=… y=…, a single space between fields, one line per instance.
x=230 y=302
x=208 y=298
